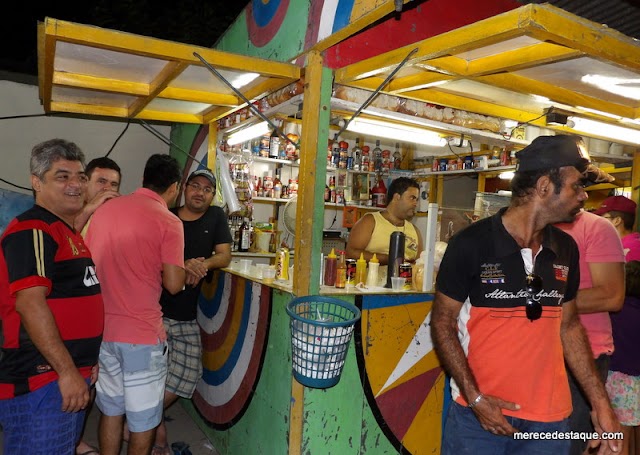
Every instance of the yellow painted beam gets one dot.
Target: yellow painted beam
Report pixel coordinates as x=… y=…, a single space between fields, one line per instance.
x=524 y=85
x=198 y=96
x=100 y=83
x=46 y=52
x=174 y=117
x=212 y=146
x=554 y=24
x=170 y=71
x=518 y=59
x=88 y=109
x=483 y=33
x=165 y=50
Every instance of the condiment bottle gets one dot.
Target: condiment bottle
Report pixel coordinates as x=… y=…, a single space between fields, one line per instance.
x=330 y=268
x=372 y=276
x=361 y=269
x=341 y=271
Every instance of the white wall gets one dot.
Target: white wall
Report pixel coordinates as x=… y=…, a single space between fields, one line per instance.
x=95 y=137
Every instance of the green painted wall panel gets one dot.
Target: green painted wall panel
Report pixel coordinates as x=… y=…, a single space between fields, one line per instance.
x=287 y=43
x=182 y=135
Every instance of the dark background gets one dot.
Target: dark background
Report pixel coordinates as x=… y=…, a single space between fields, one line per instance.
x=199 y=22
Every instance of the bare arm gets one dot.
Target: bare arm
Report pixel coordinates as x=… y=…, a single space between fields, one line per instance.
x=173 y=278
x=359 y=239
x=31 y=305
x=90 y=207
x=420 y=244
x=444 y=332
x=579 y=358
x=607 y=291
x=197 y=268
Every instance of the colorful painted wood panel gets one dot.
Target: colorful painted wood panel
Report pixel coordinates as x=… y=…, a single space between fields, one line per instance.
x=403 y=380
x=233 y=314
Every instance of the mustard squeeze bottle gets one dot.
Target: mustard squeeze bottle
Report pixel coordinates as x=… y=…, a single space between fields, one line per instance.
x=361 y=270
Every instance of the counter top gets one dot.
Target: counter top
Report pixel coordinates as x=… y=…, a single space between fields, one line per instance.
x=285 y=286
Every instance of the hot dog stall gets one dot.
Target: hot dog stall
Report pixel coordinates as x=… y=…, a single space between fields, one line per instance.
x=456 y=79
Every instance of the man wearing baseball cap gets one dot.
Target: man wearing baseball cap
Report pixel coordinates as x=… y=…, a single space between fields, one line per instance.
x=207 y=247
x=504 y=318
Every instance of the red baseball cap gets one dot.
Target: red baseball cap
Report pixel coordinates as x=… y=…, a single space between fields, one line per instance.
x=617 y=204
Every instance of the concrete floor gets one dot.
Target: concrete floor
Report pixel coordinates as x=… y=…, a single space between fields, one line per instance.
x=180 y=427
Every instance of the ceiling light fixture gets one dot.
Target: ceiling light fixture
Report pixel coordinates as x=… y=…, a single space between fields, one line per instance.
x=606 y=130
x=398 y=132
x=248 y=133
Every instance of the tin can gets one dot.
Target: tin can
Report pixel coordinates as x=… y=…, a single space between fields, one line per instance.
x=282 y=264
x=351 y=272
x=405 y=272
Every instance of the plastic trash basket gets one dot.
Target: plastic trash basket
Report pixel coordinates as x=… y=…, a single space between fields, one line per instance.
x=321 y=329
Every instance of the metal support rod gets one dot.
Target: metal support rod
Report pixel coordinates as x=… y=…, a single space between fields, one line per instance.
x=169 y=142
x=250 y=105
x=375 y=93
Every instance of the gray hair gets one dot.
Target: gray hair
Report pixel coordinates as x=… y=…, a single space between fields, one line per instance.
x=46 y=153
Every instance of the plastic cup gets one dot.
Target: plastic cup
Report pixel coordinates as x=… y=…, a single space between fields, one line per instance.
x=397 y=283
x=245 y=265
x=260 y=270
x=269 y=274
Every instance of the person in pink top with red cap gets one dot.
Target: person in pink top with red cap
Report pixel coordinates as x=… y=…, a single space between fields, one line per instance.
x=621 y=212
x=623 y=381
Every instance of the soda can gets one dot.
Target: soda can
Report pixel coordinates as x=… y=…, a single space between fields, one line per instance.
x=282 y=264
x=351 y=272
x=405 y=272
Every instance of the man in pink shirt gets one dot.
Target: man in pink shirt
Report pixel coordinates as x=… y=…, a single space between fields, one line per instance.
x=621 y=212
x=138 y=246
x=601 y=290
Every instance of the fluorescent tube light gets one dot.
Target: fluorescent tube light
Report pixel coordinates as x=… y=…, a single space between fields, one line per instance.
x=605 y=130
x=249 y=133
x=401 y=133
x=506 y=175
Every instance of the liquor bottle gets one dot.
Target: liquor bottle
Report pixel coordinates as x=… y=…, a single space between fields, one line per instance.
x=356 y=152
x=364 y=165
x=335 y=153
x=341 y=271
x=274 y=145
x=377 y=157
x=397 y=157
x=245 y=236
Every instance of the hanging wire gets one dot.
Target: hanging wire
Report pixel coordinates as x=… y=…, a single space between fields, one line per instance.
x=118 y=138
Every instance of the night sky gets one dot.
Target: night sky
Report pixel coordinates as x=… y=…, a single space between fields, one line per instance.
x=199 y=22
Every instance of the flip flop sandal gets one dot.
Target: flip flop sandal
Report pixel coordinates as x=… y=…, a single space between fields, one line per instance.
x=91 y=450
x=180 y=448
x=160 y=450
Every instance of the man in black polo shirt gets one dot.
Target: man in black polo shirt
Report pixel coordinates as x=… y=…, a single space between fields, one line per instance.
x=207 y=247
x=504 y=317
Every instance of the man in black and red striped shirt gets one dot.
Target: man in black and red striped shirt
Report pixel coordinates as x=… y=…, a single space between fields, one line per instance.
x=51 y=309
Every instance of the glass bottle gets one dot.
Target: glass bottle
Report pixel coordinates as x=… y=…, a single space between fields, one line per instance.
x=377 y=157
x=397 y=157
x=356 y=152
x=245 y=236
x=341 y=271
x=274 y=144
x=330 y=267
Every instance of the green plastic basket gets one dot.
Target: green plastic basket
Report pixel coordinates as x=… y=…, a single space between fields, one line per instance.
x=321 y=329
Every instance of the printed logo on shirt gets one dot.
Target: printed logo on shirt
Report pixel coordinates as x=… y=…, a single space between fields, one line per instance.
x=561 y=272
x=90 y=277
x=74 y=248
x=491 y=274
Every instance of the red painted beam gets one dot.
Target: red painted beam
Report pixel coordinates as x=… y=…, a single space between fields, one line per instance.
x=416 y=23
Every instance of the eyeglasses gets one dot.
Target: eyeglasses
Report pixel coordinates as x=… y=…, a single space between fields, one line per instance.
x=204 y=189
x=533 y=285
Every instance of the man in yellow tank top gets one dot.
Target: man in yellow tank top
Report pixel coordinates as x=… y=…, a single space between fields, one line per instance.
x=372 y=232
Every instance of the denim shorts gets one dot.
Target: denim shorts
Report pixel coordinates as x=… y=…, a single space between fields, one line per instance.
x=34 y=423
x=464 y=435
x=131 y=382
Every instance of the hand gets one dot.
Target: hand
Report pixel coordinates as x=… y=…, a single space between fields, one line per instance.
x=94 y=373
x=74 y=391
x=605 y=421
x=488 y=411
x=100 y=199
x=196 y=270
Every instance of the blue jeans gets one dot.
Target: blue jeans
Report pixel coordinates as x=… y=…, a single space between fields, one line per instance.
x=464 y=435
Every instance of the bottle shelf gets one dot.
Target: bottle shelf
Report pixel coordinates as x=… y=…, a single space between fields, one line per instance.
x=423 y=172
x=272 y=200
